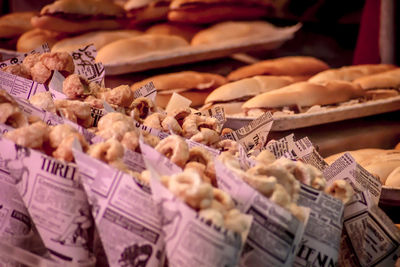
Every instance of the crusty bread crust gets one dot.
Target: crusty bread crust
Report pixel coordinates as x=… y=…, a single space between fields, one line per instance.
x=233 y=30
x=185 y=31
x=89 y=7
x=218 y=12
x=15 y=24
x=68 y=26
x=128 y=49
x=384 y=80
x=350 y=73
x=186 y=80
x=393 y=178
x=292 y=66
x=306 y=94
x=175 y=4
x=98 y=38
x=34 y=38
x=230 y=108
x=142 y=12
x=248 y=87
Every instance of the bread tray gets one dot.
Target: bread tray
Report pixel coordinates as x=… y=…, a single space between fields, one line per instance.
x=290 y=122
x=204 y=52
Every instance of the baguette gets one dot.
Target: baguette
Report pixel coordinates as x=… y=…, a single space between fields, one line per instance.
x=242 y=90
x=34 y=38
x=15 y=24
x=350 y=73
x=75 y=16
x=384 y=80
x=393 y=179
x=305 y=94
x=230 y=108
x=185 y=31
x=290 y=66
x=146 y=11
x=211 y=11
x=132 y=48
x=98 y=38
x=193 y=85
x=233 y=30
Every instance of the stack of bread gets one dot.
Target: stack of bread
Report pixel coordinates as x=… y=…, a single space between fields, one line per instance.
x=292 y=85
x=100 y=22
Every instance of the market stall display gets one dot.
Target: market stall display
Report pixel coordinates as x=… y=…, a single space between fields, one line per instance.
x=188 y=168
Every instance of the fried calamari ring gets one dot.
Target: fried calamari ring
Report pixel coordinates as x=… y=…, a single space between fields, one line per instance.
x=283 y=177
x=236 y=222
x=40 y=73
x=108 y=151
x=265 y=157
x=75 y=87
x=201 y=155
x=222 y=201
x=141 y=107
x=121 y=96
x=110 y=118
x=30 y=60
x=64 y=149
x=206 y=136
x=189 y=187
x=61 y=138
x=281 y=197
x=154 y=121
x=80 y=110
x=170 y=124
x=150 y=139
x=228 y=145
x=94 y=102
x=60 y=61
x=305 y=173
x=58 y=133
x=263 y=184
x=174 y=148
x=32 y=136
x=340 y=189
x=199 y=168
x=117 y=131
x=115 y=125
x=193 y=123
x=130 y=140
x=43 y=100
x=12 y=115
x=180 y=114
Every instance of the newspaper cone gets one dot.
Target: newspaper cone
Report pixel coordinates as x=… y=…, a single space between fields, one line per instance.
x=125 y=215
x=369 y=237
x=15 y=222
x=57 y=204
x=253 y=137
x=275 y=234
x=191 y=240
